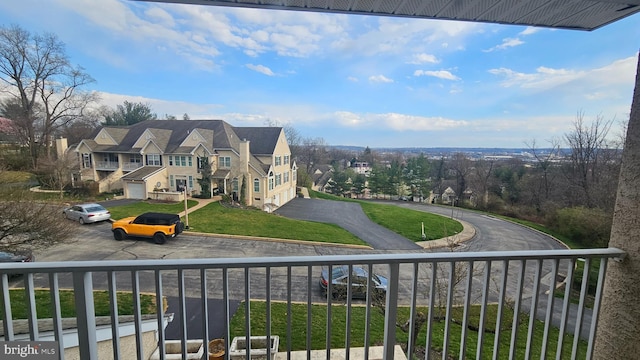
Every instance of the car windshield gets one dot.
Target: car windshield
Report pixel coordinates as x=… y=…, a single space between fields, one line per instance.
x=95 y=208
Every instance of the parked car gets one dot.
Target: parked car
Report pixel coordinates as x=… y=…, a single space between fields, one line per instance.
x=359 y=276
x=158 y=226
x=87 y=213
x=17 y=256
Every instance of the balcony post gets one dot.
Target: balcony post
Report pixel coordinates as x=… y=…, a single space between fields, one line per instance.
x=618 y=331
x=391 y=311
x=85 y=315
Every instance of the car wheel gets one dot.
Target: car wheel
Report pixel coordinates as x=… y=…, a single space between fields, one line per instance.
x=81 y=220
x=159 y=238
x=119 y=234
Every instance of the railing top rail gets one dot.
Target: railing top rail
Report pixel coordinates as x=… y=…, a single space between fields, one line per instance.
x=230 y=263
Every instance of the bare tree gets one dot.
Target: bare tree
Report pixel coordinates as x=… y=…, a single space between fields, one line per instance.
x=588 y=144
x=313 y=151
x=37 y=74
x=462 y=167
x=83 y=126
x=480 y=178
x=25 y=221
x=542 y=179
x=57 y=172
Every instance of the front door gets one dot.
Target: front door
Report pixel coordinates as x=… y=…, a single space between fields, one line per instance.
x=181 y=184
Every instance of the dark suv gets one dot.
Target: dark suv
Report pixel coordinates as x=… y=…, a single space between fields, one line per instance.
x=158 y=226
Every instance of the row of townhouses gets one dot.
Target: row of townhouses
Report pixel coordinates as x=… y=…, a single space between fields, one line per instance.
x=171 y=155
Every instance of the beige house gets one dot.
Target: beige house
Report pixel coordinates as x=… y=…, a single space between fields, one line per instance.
x=157 y=157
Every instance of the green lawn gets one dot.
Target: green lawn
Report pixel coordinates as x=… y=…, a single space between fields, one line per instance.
x=408 y=223
x=403 y=221
x=135 y=209
x=215 y=218
x=338 y=312
x=19 y=308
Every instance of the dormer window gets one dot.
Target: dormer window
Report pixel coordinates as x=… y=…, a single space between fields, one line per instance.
x=153 y=160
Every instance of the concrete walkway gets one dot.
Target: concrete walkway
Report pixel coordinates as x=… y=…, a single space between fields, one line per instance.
x=201 y=203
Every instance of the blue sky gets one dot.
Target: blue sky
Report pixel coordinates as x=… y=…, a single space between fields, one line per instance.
x=351 y=80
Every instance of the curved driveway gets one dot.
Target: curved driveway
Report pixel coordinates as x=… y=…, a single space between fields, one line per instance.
x=349 y=216
x=492 y=234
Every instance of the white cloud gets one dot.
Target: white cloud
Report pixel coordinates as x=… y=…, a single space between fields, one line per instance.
x=619 y=72
x=424 y=59
x=160 y=15
x=396 y=121
x=441 y=74
x=261 y=69
x=506 y=43
x=352 y=78
x=530 y=30
x=379 y=79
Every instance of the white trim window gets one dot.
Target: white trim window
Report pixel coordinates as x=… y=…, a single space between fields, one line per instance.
x=286 y=177
x=154 y=160
x=286 y=159
x=86 y=160
x=278 y=179
x=271 y=181
x=256 y=185
x=225 y=162
x=278 y=160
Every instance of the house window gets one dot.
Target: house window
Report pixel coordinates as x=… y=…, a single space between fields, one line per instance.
x=256 y=185
x=190 y=182
x=137 y=159
x=202 y=162
x=286 y=159
x=110 y=158
x=154 y=160
x=86 y=161
x=270 y=181
x=190 y=161
x=235 y=184
x=171 y=180
x=225 y=161
x=183 y=161
x=170 y=160
x=286 y=177
x=278 y=160
x=278 y=179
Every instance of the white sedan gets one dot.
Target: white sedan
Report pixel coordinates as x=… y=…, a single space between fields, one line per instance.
x=87 y=213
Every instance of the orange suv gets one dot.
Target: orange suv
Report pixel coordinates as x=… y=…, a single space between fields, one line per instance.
x=158 y=226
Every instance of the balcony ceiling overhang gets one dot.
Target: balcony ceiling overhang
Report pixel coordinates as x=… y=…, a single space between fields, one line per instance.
x=564 y=14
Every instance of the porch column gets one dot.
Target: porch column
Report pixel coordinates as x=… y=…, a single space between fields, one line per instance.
x=619 y=327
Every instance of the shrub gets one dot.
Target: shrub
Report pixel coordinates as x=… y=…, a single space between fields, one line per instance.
x=589 y=227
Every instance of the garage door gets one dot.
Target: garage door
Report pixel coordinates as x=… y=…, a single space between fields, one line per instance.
x=136 y=191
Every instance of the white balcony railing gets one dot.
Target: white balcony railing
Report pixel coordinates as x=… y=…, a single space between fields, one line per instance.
x=107 y=165
x=440 y=282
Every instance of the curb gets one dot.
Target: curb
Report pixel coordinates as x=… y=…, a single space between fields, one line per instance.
x=468 y=232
